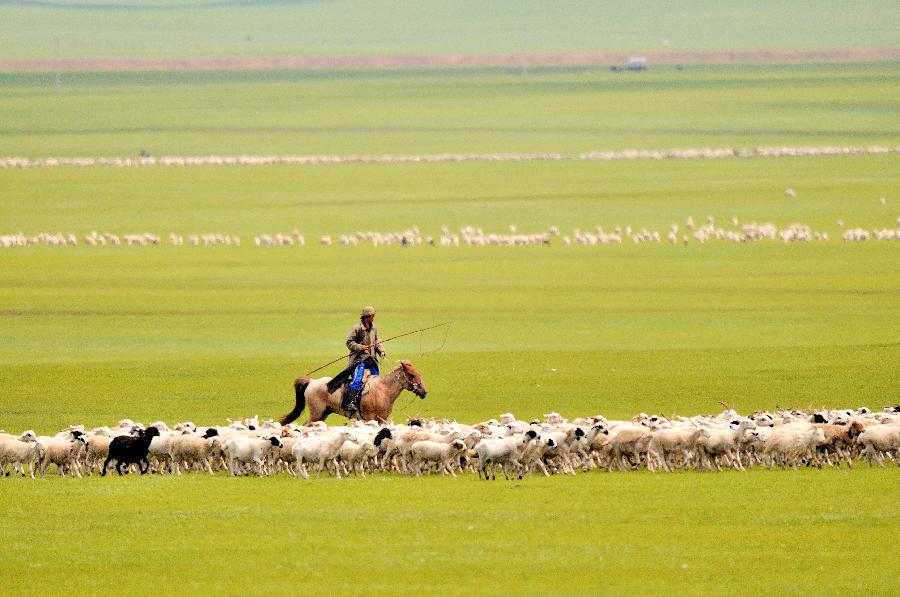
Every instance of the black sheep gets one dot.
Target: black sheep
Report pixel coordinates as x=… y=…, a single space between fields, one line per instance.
x=127 y=449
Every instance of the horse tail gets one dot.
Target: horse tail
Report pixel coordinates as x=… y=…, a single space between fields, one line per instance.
x=299 y=390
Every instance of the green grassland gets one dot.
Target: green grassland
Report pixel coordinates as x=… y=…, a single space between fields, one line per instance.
x=91 y=335
x=761 y=533
x=214 y=29
x=611 y=329
x=294 y=112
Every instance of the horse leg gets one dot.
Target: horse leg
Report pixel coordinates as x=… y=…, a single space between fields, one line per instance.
x=318 y=410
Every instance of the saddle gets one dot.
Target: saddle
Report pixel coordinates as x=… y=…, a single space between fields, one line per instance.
x=342 y=381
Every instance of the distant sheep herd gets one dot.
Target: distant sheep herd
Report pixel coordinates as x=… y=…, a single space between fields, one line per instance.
x=554 y=445
x=269 y=160
x=683 y=234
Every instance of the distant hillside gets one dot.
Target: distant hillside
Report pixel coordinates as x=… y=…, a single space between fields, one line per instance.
x=244 y=29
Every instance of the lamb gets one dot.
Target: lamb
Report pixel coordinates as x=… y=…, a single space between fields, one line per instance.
x=787 y=444
x=598 y=443
x=190 y=450
x=566 y=442
x=880 y=439
x=443 y=454
x=355 y=455
x=535 y=453
x=627 y=442
x=384 y=442
x=249 y=451
x=20 y=451
x=679 y=441
x=323 y=451
x=839 y=440
x=399 y=449
x=161 y=449
x=64 y=452
x=97 y=450
x=714 y=443
x=127 y=449
x=506 y=452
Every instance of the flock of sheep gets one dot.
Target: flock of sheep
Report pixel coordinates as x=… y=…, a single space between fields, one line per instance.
x=471 y=236
x=787 y=438
x=269 y=160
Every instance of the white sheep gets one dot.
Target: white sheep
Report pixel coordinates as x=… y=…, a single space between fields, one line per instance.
x=506 y=452
x=627 y=445
x=248 y=451
x=64 y=452
x=665 y=442
x=190 y=450
x=880 y=439
x=323 y=451
x=440 y=453
x=20 y=451
x=97 y=450
x=714 y=443
x=787 y=444
x=536 y=452
x=355 y=455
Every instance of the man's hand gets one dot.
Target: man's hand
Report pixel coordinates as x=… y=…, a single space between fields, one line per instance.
x=365 y=347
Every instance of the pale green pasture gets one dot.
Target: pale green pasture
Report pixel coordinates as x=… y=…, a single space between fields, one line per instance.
x=95 y=334
x=251 y=29
x=92 y=335
x=738 y=106
x=808 y=532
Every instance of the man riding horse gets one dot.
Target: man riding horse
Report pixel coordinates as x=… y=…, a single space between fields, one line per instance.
x=364 y=346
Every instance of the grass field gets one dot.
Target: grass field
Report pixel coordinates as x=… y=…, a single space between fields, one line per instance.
x=762 y=533
x=170 y=29
x=347 y=113
x=92 y=335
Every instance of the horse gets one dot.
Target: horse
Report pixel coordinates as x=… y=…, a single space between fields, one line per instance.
x=377 y=403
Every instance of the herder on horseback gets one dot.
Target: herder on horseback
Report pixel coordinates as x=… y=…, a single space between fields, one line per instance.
x=365 y=347
x=327 y=395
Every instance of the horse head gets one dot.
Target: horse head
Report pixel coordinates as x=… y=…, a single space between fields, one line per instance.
x=413 y=381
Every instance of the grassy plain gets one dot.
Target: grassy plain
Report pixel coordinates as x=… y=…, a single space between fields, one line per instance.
x=91 y=335
x=436 y=111
x=808 y=532
x=171 y=29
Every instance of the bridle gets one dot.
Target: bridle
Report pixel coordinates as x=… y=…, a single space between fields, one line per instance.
x=414 y=386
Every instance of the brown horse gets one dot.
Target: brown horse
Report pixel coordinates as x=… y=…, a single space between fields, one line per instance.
x=377 y=403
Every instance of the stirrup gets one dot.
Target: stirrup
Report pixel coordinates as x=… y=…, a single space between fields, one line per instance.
x=351 y=401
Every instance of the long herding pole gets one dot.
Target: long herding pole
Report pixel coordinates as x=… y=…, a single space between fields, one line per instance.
x=380 y=342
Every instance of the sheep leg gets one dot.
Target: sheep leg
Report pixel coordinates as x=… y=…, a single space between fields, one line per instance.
x=337 y=469
x=301 y=470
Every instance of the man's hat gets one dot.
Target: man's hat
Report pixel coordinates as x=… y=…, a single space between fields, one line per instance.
x=368 y=312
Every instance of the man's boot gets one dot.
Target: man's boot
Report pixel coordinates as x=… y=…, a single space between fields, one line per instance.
x=350 y=404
